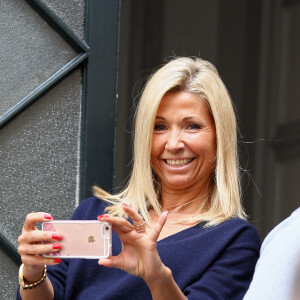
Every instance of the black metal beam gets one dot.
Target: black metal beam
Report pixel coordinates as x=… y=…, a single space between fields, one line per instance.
x=9 y=249
x=58 y=25
x=42 y=89
x=99 y=109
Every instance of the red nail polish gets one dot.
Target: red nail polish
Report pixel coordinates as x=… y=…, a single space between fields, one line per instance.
x=56 y=246
x=55 y=236
x=47 y=216
x=57 y=260
x=124 y=204
x=101 y=217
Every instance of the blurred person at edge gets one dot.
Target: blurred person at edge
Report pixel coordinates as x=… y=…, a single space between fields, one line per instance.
x=277 y=272
x=184 y=186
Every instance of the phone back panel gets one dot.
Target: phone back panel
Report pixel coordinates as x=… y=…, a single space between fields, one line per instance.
x=81 y=239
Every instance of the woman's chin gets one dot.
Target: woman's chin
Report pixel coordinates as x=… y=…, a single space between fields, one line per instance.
x=177 y=183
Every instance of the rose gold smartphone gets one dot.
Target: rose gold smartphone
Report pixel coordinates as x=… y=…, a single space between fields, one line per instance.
x=81 y=239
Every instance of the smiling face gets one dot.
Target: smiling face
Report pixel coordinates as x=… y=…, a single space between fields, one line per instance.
x=184 y=142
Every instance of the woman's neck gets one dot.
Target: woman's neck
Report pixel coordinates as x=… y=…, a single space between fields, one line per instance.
x=183 y=200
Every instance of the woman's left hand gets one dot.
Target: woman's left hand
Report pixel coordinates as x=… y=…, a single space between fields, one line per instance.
x=139 y=255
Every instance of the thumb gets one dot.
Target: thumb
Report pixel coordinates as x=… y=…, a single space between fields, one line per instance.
x=110 y=262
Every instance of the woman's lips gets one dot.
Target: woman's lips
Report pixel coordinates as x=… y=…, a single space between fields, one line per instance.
x=178 y=162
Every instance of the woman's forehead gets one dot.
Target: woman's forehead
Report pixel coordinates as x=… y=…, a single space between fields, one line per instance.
x=184 y=102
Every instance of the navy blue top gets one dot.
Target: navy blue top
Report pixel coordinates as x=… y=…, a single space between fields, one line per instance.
x=215 y=263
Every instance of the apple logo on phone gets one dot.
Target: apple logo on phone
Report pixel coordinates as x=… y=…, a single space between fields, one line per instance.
x=91 y=239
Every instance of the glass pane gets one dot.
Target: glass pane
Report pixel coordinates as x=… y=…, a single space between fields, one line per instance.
x=39 y=158
x=28 y=56
x=72 y=13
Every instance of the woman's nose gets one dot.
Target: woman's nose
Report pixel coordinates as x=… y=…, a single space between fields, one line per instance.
x=174 y=142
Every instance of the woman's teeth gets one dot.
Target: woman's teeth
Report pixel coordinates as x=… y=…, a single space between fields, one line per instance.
x=178 y=162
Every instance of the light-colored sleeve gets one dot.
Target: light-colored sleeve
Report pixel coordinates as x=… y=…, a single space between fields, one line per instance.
x=275 y=275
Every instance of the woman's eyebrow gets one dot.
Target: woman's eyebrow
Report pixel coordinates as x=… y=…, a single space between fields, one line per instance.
x=159 y=117
x=190 y=117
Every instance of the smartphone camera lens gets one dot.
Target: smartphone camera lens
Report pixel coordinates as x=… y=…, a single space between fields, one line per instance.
x=106 y=228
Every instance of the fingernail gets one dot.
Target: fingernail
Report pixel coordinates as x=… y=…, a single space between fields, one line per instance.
x=124 y=204
x=57 y=260
x=56 y=246
x=101 y=217
x=47 y=216
x=55 y=236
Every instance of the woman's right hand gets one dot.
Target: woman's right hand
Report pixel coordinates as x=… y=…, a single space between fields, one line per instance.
x=31 y=247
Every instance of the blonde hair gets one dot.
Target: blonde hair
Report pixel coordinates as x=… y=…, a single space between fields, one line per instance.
x=200 y=77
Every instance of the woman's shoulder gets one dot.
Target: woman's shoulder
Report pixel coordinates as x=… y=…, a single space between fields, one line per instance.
x=238 y=225
x=232 y=231
x=92 y=201
x=89 y=209
x=240 y=229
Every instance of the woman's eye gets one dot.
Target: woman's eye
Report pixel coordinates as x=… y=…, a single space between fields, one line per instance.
x=159 y=127
x=194 y=126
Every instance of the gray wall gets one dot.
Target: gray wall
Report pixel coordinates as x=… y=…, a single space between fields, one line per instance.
x=39 y=149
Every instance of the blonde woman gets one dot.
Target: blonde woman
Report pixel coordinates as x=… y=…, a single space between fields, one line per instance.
x=186 y=236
